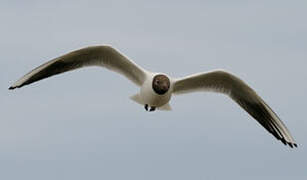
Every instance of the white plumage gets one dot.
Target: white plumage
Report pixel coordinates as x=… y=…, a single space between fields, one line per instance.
x=156 y=89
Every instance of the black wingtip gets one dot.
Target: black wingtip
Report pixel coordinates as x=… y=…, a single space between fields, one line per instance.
x=11 y=88
x=292 y=145
x=284 y=141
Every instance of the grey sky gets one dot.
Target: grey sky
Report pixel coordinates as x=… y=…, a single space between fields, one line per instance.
x=71 y=127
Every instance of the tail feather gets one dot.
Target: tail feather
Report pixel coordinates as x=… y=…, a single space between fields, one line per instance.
x=137 y=98
x=165 y=107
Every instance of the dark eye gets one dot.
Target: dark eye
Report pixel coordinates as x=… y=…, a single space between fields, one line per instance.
x=158 y=82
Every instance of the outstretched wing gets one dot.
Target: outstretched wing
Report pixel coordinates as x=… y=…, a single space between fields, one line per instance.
x=104 y=56
x=226 y=83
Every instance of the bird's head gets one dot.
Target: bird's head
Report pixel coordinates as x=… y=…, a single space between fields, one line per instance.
x=161 y=84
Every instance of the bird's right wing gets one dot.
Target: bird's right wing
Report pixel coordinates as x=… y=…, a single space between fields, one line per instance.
x=104 y=56
x=226 y=83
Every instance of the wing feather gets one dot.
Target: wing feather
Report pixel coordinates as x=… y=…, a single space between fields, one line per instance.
x=104 y=56
x=226 y=83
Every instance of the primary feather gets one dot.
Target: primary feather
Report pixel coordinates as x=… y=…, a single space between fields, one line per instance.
x=104 y=56
x=226 y=83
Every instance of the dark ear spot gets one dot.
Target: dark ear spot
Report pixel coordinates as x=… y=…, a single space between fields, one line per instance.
x=161 y=84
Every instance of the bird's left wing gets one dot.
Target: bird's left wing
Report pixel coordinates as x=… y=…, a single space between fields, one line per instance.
x=104 y=56
x=226 y=83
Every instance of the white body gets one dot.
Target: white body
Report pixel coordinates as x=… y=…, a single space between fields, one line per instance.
x=148 y=96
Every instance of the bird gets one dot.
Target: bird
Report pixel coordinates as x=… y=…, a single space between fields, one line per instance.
x=156 y=89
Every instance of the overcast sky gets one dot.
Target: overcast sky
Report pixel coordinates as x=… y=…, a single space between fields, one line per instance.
x=73 y=127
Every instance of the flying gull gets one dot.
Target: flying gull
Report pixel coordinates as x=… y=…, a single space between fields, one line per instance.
x=156 y=89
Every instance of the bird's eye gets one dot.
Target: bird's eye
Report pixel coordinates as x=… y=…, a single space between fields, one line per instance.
x=158 y=82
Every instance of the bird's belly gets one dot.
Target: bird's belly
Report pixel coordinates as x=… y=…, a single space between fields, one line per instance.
x=152 y=99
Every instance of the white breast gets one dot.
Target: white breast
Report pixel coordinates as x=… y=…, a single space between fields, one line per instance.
x=151 y=98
